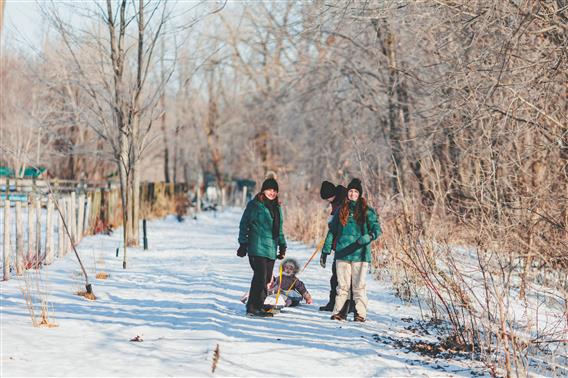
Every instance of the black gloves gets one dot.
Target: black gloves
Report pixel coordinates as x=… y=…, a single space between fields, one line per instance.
x=242 y=251
x=281 y=253
x=323 y=259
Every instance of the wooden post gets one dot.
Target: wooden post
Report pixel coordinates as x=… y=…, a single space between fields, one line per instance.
x=7 y=249
x=19 y=239
x=88 y=207
x=145 y=234
x=223 y=198
x=198 y=204
x=245 y=196
x=80 y=218
x=60 y=229
x=49 y=232
x=73 y=217
x=95 y=210
x=31 y=229
x=38 y=214
x=68 y=216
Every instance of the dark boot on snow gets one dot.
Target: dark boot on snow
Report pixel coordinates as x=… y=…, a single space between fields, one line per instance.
x=359 y=319
x=328 y=307
x=260 y=314
x=338 y=316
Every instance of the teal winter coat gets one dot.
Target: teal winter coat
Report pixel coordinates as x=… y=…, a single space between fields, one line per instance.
x=255 y=230
x=353 y=240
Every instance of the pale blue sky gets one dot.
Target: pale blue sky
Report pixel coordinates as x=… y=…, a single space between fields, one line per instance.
x=23 y=25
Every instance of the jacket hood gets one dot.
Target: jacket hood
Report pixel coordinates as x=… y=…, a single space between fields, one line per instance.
x=293 y=261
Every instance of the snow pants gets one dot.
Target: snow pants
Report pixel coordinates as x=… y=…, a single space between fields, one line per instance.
x=352 y=275
x=262 y=274
x=333 y=292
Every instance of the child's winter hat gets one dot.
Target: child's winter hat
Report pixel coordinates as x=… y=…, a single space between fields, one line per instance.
x=327 y=190
x=355 y=184
x=290 y=260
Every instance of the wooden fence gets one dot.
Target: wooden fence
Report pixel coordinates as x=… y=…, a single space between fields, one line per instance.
x=36 y=237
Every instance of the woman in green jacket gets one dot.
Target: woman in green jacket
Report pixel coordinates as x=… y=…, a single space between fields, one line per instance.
x=354 y=227
x=260 y=235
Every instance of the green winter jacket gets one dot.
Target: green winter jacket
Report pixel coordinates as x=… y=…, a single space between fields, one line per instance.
x=353 y=240
x=255 y=230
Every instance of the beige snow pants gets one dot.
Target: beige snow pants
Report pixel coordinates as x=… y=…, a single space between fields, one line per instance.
x=352 y=273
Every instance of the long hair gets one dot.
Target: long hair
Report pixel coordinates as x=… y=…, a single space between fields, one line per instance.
x=359 y=214
x=261 y=197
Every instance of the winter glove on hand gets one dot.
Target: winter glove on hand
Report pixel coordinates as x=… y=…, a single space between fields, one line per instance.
x=281 y=253
x=323 y=259
x=242 y=251
x=364 y=239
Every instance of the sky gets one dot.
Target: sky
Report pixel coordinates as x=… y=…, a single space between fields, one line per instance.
x=25 y=27
x=23 y=24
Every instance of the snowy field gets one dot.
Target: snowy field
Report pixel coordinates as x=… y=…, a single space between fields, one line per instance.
x=181 y=297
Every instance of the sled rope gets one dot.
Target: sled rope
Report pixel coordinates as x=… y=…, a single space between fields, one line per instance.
x=319 y=246
x=279 y=285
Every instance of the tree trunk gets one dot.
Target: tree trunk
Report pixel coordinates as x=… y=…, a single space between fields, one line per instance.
x=135 y=142
x=388 y=48
x=2 y=3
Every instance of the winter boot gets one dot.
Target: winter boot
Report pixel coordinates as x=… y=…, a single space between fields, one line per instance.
x=260 y=314
x=271 y=309
x=337 y=316
x=359 y=319
x=327 y=307
x=345 y=309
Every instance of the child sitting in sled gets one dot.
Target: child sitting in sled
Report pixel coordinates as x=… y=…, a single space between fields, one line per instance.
x=292 y=289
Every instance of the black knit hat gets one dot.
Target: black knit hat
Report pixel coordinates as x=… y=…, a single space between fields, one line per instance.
x=355 y=184
x=269 y=183
x=340 y=193
x=327 y=190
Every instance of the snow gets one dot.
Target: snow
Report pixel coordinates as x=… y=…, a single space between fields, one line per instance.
x=182 y=297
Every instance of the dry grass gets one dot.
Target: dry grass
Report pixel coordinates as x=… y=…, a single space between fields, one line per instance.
x=100 y=263
x=306 y=220
x=45 y=323
x=216 y=357
x=102 y=276
x=467 y=274
x=35 y=294
x=89 y=296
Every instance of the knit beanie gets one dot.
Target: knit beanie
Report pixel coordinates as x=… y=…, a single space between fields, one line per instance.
x=340 y=193
x=355 y=184
x=269 y=183
x=327 y=190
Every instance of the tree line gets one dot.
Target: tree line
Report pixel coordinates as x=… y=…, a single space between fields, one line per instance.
x=453 y=113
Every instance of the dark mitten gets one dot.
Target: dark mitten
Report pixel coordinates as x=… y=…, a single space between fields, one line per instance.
x=242 y=251
x=281 y=253
x=323 y=259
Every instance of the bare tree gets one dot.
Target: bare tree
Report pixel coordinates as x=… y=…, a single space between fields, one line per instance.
x=124 y=105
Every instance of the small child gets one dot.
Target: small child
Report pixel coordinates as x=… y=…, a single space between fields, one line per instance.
x=292 y=290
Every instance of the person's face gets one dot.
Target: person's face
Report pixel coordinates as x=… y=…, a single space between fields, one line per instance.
x=353 y=194
x=288 y=268
x=270 y=194
x=330 y=199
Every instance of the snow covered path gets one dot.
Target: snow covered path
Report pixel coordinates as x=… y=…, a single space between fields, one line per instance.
x=182 y=298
